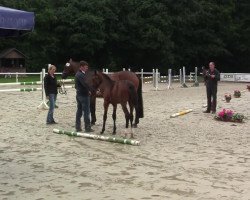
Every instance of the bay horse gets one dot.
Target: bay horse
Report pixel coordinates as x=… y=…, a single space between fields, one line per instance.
x=116 y=92
x=71 y=67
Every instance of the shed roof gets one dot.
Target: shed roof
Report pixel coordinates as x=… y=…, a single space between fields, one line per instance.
x=11 y=53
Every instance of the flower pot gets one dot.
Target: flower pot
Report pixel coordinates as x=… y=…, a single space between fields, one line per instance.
x=228 y=100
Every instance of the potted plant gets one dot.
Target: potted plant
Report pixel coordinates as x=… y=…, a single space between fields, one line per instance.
x=228 y=97
x=237 y=93
x=229 y=116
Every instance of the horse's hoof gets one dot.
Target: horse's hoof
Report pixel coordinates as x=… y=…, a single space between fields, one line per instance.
x=101 y=132
x=114 y=133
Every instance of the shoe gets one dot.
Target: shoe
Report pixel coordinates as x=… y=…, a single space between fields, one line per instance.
x=206 y=111
x=79 y=130
x=53 y=122
x=89 y=130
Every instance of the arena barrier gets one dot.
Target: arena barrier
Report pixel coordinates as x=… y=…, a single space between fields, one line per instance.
x=181 y=113
x=98 y=137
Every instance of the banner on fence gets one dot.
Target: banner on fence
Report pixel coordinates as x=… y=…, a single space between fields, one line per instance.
x=235 y=77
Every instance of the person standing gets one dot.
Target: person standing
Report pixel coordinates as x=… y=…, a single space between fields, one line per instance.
x=82 y=98
x=212 y=77
x=50 y=87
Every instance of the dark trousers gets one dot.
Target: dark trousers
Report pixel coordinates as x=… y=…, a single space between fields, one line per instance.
x=83 y=109
x=211 y=93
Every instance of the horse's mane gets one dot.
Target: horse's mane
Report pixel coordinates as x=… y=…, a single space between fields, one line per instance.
x=106 y=77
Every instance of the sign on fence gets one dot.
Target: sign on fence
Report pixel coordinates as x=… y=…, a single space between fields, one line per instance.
x=235 y=77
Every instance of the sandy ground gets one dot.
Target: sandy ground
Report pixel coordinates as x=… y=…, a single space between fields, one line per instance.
x=188 y=157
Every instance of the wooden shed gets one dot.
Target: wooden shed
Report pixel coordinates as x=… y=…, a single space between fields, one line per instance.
x=12 y=60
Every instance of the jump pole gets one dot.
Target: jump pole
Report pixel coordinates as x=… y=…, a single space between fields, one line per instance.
x=21 y=90
x=184 y=77
x=43 y=104
x=181 y=113
x=22 y=83
x=196 y=83
x=98 y=137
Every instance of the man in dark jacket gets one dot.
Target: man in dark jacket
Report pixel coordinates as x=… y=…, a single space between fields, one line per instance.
x=212 y=77
x=83 y=98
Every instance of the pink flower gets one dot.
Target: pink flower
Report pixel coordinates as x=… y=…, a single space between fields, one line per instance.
x=229 y=113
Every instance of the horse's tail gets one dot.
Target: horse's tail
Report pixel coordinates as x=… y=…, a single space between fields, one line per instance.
x=140 y=100
x=133 y=98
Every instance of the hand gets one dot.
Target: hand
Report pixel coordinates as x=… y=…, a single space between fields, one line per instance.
x=89 y=93
x=212 y=76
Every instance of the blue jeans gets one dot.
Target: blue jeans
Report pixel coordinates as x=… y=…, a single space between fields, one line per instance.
x=83 y=109
x=52 y=100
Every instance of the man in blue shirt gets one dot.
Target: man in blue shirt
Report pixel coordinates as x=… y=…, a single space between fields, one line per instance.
x=83 y=98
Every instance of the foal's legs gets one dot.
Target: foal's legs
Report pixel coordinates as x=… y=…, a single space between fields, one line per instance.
x=127 y=116
x=131 y=116
x=114 y=118
x=106 y=106
x=125 y=110
x=93 y=108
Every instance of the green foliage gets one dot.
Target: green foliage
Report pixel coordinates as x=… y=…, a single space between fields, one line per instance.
x=136 y=34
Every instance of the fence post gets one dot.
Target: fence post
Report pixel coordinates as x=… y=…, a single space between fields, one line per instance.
x=153 y=76
x=156 y=79
x=180 y=76
x=196 y=83
x=43 y=105
x=184 y=77
x=142 y=81
x=169 y=78
x=16 y=77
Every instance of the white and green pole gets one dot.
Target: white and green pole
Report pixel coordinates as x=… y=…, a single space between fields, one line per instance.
x=98 y=137
x=21 y=90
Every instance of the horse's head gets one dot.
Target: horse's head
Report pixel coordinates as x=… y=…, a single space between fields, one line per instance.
x=69 y=69
x=94 y=78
